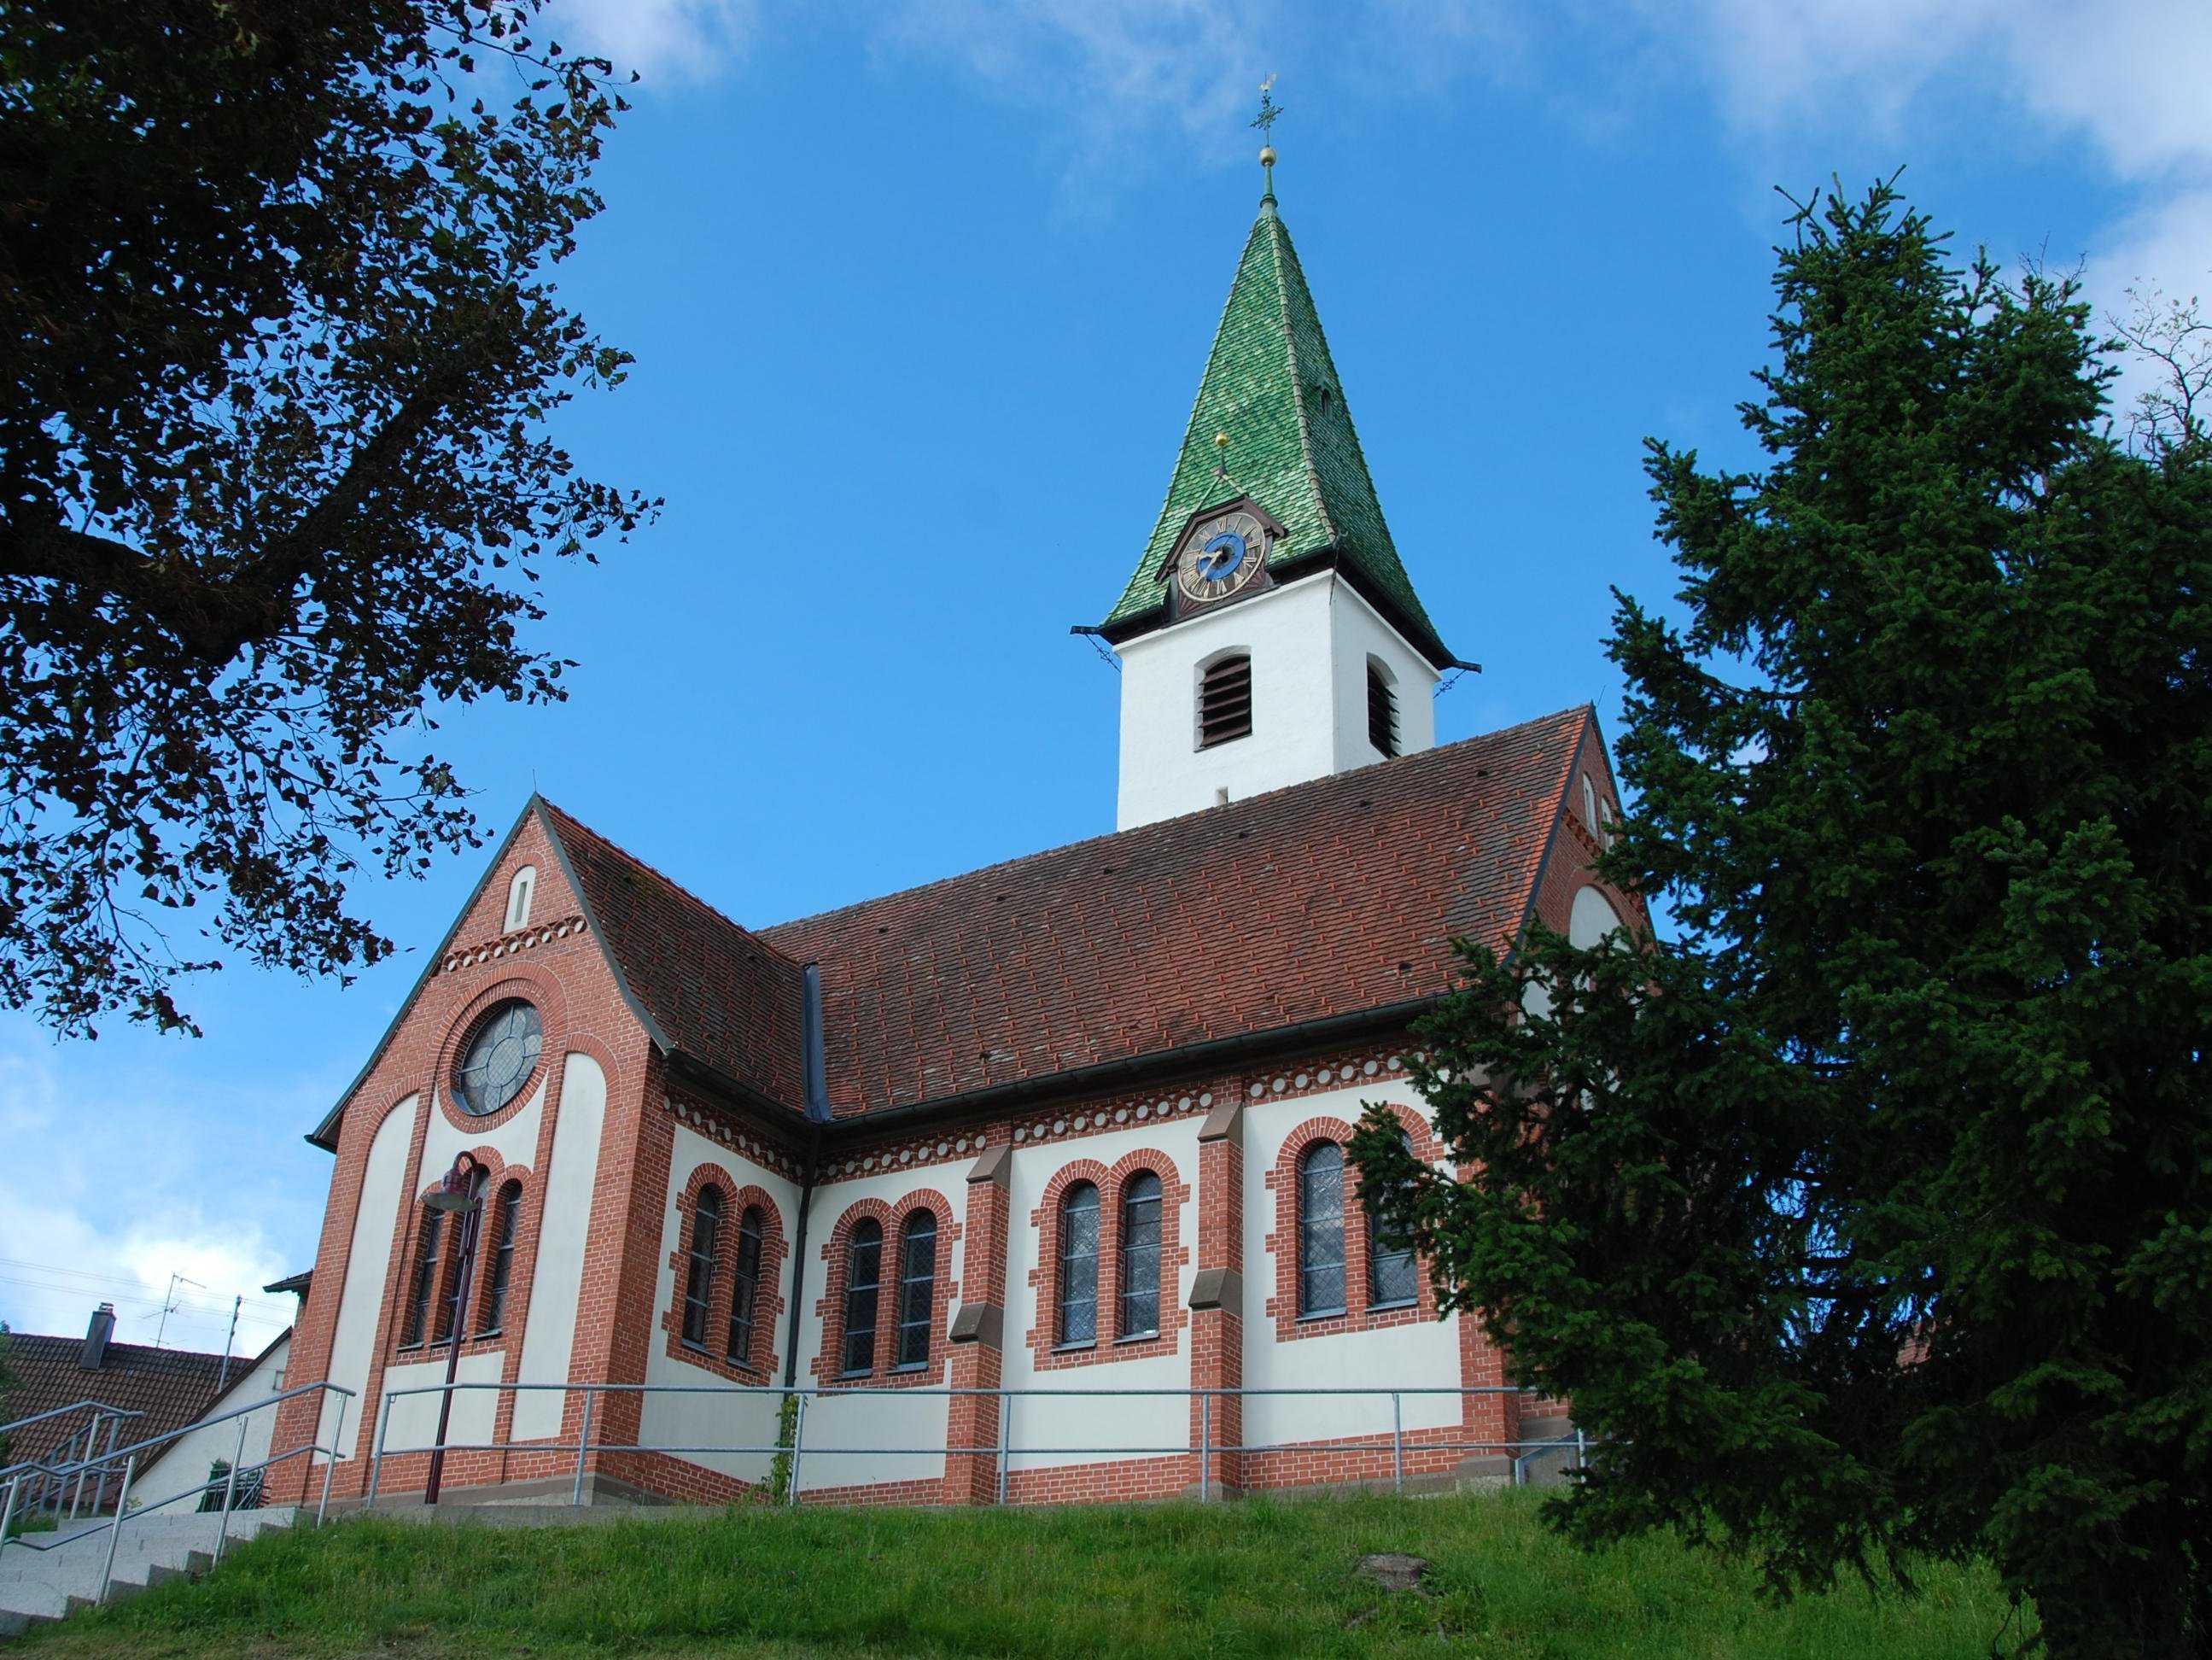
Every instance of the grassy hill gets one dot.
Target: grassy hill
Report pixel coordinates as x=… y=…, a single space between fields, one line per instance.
x=1276 y=1580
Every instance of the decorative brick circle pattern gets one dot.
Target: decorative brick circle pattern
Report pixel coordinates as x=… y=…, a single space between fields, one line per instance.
x=758 y=1364
x=497 y=1174
x=827 y=1364
x=542 y=991
x=1282 y=1244
x=716 y=1126
x=508 y=945
x=1044 y=1278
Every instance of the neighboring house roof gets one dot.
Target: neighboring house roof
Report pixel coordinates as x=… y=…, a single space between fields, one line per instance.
x=1272 y=388
x=1326 y=899
x=172 y=1387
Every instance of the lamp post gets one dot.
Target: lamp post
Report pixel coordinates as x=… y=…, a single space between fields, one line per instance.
x=460 y=1191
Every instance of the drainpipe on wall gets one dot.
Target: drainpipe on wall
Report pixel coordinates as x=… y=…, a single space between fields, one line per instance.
x=817 y=1074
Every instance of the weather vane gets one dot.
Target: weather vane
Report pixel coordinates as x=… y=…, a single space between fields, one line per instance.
x=1269 y=110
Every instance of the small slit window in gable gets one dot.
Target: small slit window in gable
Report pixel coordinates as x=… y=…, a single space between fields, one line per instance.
x=1382 y=712
x=519 y=893
x=1224 y=700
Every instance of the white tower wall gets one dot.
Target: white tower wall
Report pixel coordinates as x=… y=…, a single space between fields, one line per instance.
x=1310 y=643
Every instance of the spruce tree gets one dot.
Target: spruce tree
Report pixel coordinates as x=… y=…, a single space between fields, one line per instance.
x=1866 y=1216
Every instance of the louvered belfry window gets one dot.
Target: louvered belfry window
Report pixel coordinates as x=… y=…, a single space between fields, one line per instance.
x=1382 y=713
x=1225 y=701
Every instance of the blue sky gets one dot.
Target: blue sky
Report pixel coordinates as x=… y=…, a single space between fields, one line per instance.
x=920 y=293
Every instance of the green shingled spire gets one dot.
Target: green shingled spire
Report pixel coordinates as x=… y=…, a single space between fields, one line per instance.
x=1270 y=385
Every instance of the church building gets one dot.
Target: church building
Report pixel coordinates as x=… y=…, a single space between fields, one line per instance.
x=1070 y=1128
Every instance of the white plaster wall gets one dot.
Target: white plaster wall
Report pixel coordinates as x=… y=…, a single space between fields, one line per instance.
x=1163 y=772
x=838 y=1425
x=564 y=1222
x=732 y=1416
x=1356 y=633
x=368 y=1262
x=515 y=1140
x=414 y=1424
x=1091 y=1420
x=185 y=1462
x=1424 y=1354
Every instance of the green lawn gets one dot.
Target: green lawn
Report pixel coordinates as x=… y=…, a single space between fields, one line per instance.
x=1275 y=1580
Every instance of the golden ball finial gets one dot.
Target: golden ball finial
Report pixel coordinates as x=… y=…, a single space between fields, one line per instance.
x=1221 y=440
x=1266 y=156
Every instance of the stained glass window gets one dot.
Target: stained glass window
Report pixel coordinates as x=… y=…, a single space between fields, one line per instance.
x=1393 y=1274
x=863 y=1270
x=1078 y=1266
x=508 y=1217
x=699 y=1281
x=744 y=1289
x=500 y=1059
x=917 y=1289
x=1140 y=1256
x=1320 y=1229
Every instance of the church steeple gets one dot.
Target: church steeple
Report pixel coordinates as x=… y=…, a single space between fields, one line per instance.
x=1271 y=390
x=1270 y=635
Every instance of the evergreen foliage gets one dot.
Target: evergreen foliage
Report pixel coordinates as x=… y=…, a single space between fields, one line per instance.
x=1871 y=1217
x=279 y=346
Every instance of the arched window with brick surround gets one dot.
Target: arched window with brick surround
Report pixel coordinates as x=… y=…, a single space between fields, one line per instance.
x=745 y=1285
x=1394 y=1274
x=422 y=1315
x=864 y=1272
x=917 y=1290
x=499 y=1271
x=698 y=1273
x=1141 y=1256
x=1321 y=1230
x=1078 y=1266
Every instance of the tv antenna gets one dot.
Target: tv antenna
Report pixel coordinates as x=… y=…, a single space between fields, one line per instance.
x=169 y=1303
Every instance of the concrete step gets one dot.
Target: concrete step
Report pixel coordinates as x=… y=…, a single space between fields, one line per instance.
x=42 y=1584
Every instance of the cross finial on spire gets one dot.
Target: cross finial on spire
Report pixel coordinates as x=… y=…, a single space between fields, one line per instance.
x=1270 y=112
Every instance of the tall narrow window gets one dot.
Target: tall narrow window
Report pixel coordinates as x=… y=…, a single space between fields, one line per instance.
x=506 y=1218
x=423 y=1295
x=699 y=1279
x=1078 y=1266
x=1320 y=1229
x=917 y=1288
x=1225 y=701
x=1382 y=713
x=1141 y=1256
x=864 y=1274
x=745 y=1288
x=1393 y=1277
x=518 y=892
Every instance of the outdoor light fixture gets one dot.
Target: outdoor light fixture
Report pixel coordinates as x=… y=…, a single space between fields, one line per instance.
x=461 y=1190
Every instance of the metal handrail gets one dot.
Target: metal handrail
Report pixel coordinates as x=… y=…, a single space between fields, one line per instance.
x=1202 y=1396
x=74 y=1405
x=112 y=1525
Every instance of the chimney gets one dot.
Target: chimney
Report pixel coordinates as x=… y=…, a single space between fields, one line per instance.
x=96 y=1338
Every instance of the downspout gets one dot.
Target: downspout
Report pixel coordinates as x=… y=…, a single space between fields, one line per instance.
x=816 y=1076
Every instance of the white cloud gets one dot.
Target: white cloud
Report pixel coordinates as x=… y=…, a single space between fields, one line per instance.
x=661 y=40
x=102 y=1200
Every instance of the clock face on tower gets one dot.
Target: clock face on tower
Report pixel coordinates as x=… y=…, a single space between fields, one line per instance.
x=1220 y=556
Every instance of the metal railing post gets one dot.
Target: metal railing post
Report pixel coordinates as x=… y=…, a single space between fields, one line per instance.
x=583 y=1446
x=1205 y=1448
x=376 y=1455
x=115 y=1530
x=1582 y=1457
x=91 y=1437
x=330 y=1460
x=229 y=1493
x=798 y=1445
x=8 y=1511
x=1397 y=1443
x=1005 y=1439
x=99 y=1487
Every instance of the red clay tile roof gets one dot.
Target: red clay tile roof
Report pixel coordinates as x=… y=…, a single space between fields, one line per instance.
x=1326 y=898
x=172 y=1387
x=717 y=993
